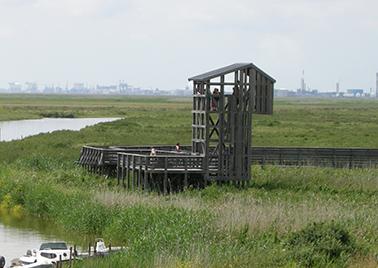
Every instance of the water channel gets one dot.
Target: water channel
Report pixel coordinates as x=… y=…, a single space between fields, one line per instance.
x=19 y=129
x=17 y=236
x=16 y=239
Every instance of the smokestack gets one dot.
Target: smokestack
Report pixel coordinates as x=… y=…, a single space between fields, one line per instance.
x=376 y=87
x=337 y=87
x=303 y=83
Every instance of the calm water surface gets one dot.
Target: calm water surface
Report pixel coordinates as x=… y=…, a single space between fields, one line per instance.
x=14 y=242
x=19 y=129
x=17 y=236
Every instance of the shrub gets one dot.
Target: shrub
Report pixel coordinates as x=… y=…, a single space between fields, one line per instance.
x=321 y=243
x=57 y=115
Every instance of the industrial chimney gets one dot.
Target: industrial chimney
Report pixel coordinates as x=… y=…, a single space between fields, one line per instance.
x=303 y=83
x=337 y=88
x=376 y=87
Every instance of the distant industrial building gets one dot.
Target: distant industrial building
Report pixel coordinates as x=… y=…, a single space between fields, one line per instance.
x=79 y=88
x=31 y=87
x=15 y=87
x=108 y=89
x=284 y=93
x=49 y=89
x=123 y=87
x=182 y=92
x=351 y=93
x=355 y=92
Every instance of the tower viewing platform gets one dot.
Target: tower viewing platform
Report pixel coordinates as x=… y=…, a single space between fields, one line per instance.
x=224 y=101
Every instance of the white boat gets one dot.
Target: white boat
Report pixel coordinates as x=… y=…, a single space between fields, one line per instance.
x=47 y=255
x=53 y=252
x=100 y=249
x=16 y=264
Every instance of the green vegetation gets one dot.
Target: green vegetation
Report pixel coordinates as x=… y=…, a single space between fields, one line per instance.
x=319 y=244
x=58 y=115
x=291 y=217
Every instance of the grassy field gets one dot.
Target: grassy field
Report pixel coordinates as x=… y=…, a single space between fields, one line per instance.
x=289 y=217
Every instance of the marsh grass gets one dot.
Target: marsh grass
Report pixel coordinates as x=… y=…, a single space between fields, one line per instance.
x=218 y=226
x=122 y=198
x=214 y=227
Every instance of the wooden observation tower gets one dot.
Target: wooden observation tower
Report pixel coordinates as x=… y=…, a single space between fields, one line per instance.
x=224 y=101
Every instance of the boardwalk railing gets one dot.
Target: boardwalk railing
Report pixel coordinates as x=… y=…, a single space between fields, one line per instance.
x=105 y=159
x=169 y=170
x=327 y=157
x=101 y=158
x=98 y=159
x=134 y=170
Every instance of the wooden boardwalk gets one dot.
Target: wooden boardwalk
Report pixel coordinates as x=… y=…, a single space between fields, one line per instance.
x=94 y=157
x=135 y=168
x=322 y=157
x=161 y=172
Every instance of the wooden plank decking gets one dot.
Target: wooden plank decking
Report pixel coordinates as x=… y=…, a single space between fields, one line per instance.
x=285 y=156
x=134 y=167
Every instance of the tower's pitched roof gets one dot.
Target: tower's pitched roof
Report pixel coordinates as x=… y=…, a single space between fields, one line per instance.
x=226 y=70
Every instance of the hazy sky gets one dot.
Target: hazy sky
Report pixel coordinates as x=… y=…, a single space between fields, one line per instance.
x=153 y=43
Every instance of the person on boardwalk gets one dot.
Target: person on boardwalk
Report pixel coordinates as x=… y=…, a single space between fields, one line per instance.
x=236 y=92
x=177 y=147
x=215 y=99
x=153 y=152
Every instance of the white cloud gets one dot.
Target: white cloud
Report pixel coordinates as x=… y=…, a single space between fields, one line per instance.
x=82 y=8
x=16 y=3
x=108 y=40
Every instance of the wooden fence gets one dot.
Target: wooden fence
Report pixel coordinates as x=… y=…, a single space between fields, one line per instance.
x=323 y=157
